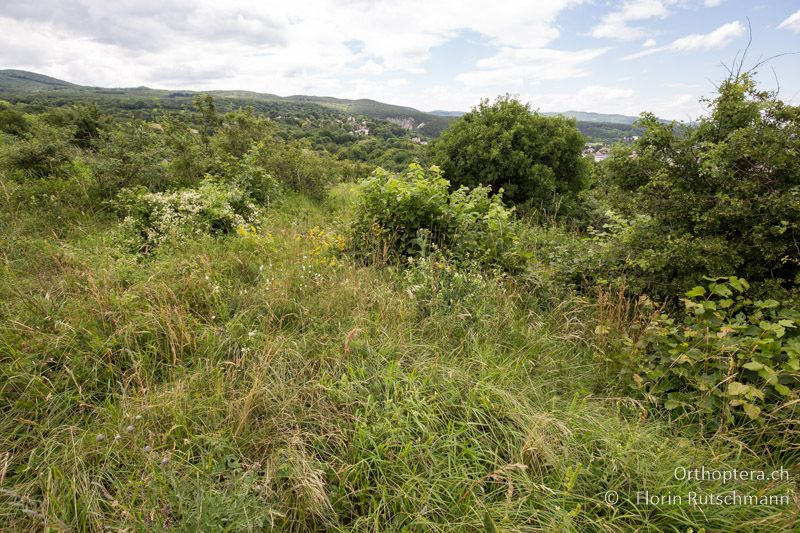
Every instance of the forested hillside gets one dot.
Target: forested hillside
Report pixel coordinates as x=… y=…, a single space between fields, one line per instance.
x=36 y=89
x=237 y=312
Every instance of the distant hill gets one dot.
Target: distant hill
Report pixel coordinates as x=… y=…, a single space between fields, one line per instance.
x=19 y=85
x=407 y=117
x=580 y=116
x=30 y=87
x=447 y=113
x=583 y=116
x=21 y=80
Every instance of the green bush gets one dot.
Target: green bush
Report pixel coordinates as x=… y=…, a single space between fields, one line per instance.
x=239 y=130
x=722 y=196
x=130 y=155
x=40 y=151
x=247 y=174
x=299 y=168
x=153 y=218
x=535 y=159
x=635 y=252
x=12 y=121
x=86 y=121
x=439 y=286
x=728 y=358
x=398 y=215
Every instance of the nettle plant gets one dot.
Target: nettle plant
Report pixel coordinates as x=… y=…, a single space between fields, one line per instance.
x=730 y=356
x=212 y=208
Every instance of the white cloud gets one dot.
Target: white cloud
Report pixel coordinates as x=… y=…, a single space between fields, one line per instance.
x=518 y=66
x=348 y=48
x=625 y=101
x=718 y=38
x=712 y=3
x=792 y=22
x=616 y=25
x=598 y=93
x=265 y=46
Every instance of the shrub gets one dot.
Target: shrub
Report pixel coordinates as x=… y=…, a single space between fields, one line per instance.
x=440 y=286
x=635 y=251
x=723 y=195
x=130 y=155
x=40 y=151
x=12 y=121
x=239 y=130
x=247 y=174
x=300 y=168
x=399 y=214
x=729 y=357
x=153 y=218
x=86 y=121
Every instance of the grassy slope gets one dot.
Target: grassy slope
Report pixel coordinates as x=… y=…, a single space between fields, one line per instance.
x=241 y=383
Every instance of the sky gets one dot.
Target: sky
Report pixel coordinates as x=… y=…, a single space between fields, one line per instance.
x=622 y=57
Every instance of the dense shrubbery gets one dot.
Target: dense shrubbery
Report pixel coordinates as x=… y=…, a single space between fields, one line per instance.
x=249 y=176
x=535 y=160
x=399 y=215
x=174 y=151
x=727 y=357
x=441 y=286
x=153 y=218
x=129 y=155
x=717 y=198
x=38 y=151
x=275 y=381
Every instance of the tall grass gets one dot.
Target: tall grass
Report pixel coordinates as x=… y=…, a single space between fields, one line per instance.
x=244 y=383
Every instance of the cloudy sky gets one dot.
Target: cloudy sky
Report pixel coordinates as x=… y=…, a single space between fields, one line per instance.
x=610 y=57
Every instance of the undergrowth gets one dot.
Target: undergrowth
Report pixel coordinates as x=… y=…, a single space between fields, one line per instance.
x=265 y=380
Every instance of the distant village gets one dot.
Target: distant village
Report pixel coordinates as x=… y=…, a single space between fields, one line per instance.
x=600 y=151
x=361 y=128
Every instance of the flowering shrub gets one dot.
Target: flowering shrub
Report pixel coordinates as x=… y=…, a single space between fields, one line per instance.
x=439 y=286
x=729 y=356
x=471 y=225
x=211 y=208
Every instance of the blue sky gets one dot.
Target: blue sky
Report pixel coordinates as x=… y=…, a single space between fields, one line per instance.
x=609 y=57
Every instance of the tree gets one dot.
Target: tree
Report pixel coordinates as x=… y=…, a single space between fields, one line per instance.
x=721 y=197
x=536 y=160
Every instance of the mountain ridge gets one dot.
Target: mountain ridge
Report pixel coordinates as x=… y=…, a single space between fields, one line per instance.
x=13 y=82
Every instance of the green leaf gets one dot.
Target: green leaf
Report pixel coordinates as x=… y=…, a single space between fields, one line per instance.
x=753 y=365
x=695 y=292
x=721 y=290
x=739 y=284
x=783 y=390
x=672 y=404
x=768 y=375
x=751 y=410
x=488 y=523
x=735 y=388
